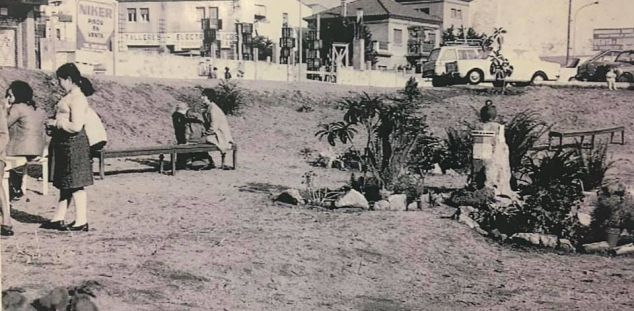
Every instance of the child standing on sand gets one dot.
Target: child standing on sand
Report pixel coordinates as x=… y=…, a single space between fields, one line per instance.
x=610 y=77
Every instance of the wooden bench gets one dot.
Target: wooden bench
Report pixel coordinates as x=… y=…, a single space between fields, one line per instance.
x=172 y=150
x=582 y=134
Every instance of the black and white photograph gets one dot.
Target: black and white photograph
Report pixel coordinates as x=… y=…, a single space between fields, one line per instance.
x=265 y=155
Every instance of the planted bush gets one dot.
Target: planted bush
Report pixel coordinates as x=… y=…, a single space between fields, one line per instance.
x=229 y=97
x=521 y=134
x=458 y=146
x=595 y=166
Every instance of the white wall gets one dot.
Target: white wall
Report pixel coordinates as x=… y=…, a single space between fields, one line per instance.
x=541 y=25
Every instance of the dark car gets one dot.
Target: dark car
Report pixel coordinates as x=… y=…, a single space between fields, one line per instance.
x=596 y=67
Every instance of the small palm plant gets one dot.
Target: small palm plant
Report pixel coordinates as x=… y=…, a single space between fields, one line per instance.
x=500 y=67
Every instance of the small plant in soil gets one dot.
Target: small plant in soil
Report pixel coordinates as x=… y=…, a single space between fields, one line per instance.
x=615 y=209
x=229 y=97
x=595 y=166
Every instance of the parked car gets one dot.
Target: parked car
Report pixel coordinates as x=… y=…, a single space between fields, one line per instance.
x=597 y=66
x=470 y=64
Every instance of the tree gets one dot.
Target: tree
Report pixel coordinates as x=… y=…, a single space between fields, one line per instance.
x=342 y=30
x=501 y=68
x=264 y=46
x=453 y=34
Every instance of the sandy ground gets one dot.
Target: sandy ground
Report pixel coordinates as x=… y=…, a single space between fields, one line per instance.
x=213 y=240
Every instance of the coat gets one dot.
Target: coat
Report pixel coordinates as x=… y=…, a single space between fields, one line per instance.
x=217 y=130
x=4 y=133
x=26 y=130
x=95 y=130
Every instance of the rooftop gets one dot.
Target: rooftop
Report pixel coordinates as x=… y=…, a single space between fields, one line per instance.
x=379 y=9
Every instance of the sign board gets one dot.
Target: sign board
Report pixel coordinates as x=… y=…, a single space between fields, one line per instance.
x=613 y=39
x=7 y=48
x=180 y=40
x=95 y=25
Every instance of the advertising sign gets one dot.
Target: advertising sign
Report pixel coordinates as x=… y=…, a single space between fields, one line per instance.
x=613 y=39
x=95 y=25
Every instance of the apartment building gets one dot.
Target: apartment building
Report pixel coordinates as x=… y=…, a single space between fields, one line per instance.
x=450 y=12
x=175 y=25
x=18 y=46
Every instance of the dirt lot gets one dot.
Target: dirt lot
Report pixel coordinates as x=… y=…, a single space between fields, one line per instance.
x=213 y=240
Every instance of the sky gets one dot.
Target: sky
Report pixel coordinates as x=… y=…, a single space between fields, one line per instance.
x=540 y=25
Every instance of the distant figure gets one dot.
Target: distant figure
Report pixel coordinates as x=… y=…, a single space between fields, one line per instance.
x=610 y=77
x=227 y=74
x=213 y=74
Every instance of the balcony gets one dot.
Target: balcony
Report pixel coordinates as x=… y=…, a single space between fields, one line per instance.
x=417 y=49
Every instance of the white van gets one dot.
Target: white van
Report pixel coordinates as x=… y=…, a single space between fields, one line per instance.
x=460 y=64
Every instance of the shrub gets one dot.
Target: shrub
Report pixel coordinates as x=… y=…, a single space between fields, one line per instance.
x=411 y=90
x=458 y=145
x=410 y=185
x=521 y=134
x=229 y=97
x=595 y=166
x=615 y=208
x=551 y=168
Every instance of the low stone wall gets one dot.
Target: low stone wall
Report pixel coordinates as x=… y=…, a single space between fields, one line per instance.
x=139 y=64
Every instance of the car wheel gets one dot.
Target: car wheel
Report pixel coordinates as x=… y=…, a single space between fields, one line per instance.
x=626 y=77
x=538 y=77
x=438 y=81
x=474 y=77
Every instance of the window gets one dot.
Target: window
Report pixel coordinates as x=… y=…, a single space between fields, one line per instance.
x=454 y=13
x=260 y=11
x=131 y=15
x=145 y=14
x=4 y=11
x=449 y=55
x=469 y=54
x=423 y=10
x=398 y=37
x=58 y=33
x=459 y=14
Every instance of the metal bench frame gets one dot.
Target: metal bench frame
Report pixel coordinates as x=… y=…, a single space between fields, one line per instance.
x=592 y=133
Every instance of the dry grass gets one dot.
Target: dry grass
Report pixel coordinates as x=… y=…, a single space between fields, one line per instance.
x=195 y=241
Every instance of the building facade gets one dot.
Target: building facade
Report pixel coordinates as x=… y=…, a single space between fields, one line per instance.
x=18 y=47
x=401 y=36
x=82 y=32
x=176 y=25
x=451 y=12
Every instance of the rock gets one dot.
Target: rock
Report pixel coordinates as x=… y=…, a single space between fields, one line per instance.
x=382 y=205
x=13 y=300
x=436 y=170
x=57 y=299
x=598 y=247
x=623 y=249
x=566 y=246
x=385 y=194
x=547 y=240
x=496 y=234
x=82 y=302
x=466 y=210
x=413 y=206
x=290 y=196
x=584 y=219
x=465 y=219
x=451 y=172
x=398 y=202
x=352 y=199
x=481 y=231
x=526 y=238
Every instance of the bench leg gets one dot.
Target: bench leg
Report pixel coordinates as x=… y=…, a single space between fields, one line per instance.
x=235 y=157
x=5 y=187
x=173 y=156
x=592 y=142
x=622 y=137
x=44 y=177
x=612 y=138
x=222 y=159
x=161 y=158
x=102 y=166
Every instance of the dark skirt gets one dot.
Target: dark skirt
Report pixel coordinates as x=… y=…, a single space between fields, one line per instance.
x=69 y=160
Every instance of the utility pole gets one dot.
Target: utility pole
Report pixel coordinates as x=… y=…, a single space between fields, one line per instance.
x=568 y=36
x=299 y=65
